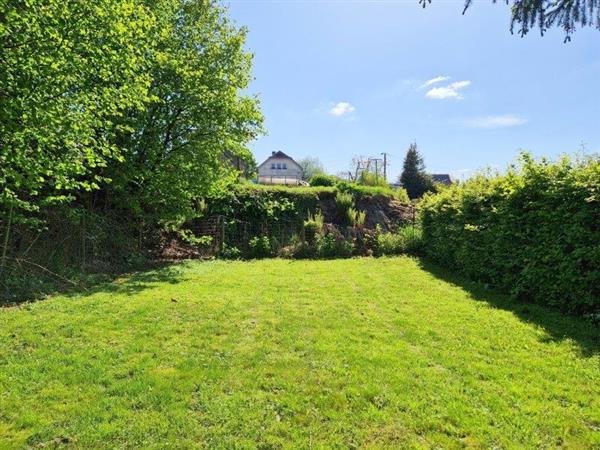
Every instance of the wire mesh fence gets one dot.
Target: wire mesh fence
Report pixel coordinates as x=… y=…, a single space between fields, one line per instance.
x=65 y=242
x=232 y=233
x=83 y=241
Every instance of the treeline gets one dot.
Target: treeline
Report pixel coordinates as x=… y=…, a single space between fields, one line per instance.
x=534 y=232
x=124 y=105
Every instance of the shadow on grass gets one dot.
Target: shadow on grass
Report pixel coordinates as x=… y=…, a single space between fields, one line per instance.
x=558 y=325
x=128 y=281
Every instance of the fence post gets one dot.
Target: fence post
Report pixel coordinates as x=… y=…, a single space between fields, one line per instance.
x=6 y=237
x=83 y=240
x=140 y=234
x=222 y=233
x=414 y=221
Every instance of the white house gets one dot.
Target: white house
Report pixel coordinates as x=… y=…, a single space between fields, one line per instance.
x=280 y=168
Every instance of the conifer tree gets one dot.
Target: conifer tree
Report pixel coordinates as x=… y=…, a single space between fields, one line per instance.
x=414 y=178
x=546 y=14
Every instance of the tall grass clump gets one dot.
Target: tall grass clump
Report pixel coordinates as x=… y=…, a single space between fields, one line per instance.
x=343 y=203
x=534 y=231
x=401 y=195
x=313 y=226
x=407 y=240
x=356 y=218
x=259 y=247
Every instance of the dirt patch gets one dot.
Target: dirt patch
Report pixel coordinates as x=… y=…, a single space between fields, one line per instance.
x=173 y=248
x=384 y=211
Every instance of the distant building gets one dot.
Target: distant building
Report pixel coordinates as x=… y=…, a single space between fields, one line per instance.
x=280 y=168
x=442 y=178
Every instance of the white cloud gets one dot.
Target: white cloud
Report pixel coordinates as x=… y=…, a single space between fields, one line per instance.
x=435 y=80
x=341 y=109
x=459 y=84
x=449 y=91
x=502 y=121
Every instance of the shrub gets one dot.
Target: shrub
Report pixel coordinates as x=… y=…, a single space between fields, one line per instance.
x=407 y=240
x=356 y=218
x=344 y=186
x=359 y=189
x=228 y=252
x=322 y=179
x=389 y=244
x=330 y=245
x=343 y=203
x=401 y=195
x=189 y=237
x=413 y=239
x=534 y=232
x=369 y=179
x=260 y=247
x=312 y=227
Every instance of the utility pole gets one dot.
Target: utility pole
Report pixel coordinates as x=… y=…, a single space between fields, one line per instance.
x=361 y=165
x=376 y=171
x=376 y=161
x=384 y=165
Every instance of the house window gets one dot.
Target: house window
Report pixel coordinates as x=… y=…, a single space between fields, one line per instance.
x=272 y=165
x=284 y=166
x=279 y=165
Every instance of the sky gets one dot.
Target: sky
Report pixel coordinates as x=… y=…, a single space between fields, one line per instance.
x=338 y=79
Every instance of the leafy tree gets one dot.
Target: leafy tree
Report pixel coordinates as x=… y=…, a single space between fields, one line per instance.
x=139 y=100
x=414 y=178
x=322 y=179
x=311 y=166
x=69 y=71
x=545 y=14
x=181 y=145
x=243 y=162
x=371 y=179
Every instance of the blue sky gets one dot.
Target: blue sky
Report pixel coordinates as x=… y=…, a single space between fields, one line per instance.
x=343 y=78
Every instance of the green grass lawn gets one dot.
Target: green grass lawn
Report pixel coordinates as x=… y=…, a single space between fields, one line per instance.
x=366 y=353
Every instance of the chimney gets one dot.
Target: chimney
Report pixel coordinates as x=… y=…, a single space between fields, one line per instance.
x=273 y=153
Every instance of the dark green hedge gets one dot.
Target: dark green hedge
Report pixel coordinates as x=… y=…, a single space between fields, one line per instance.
x=534 y=232
x=257 y=203
x=322 y=179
